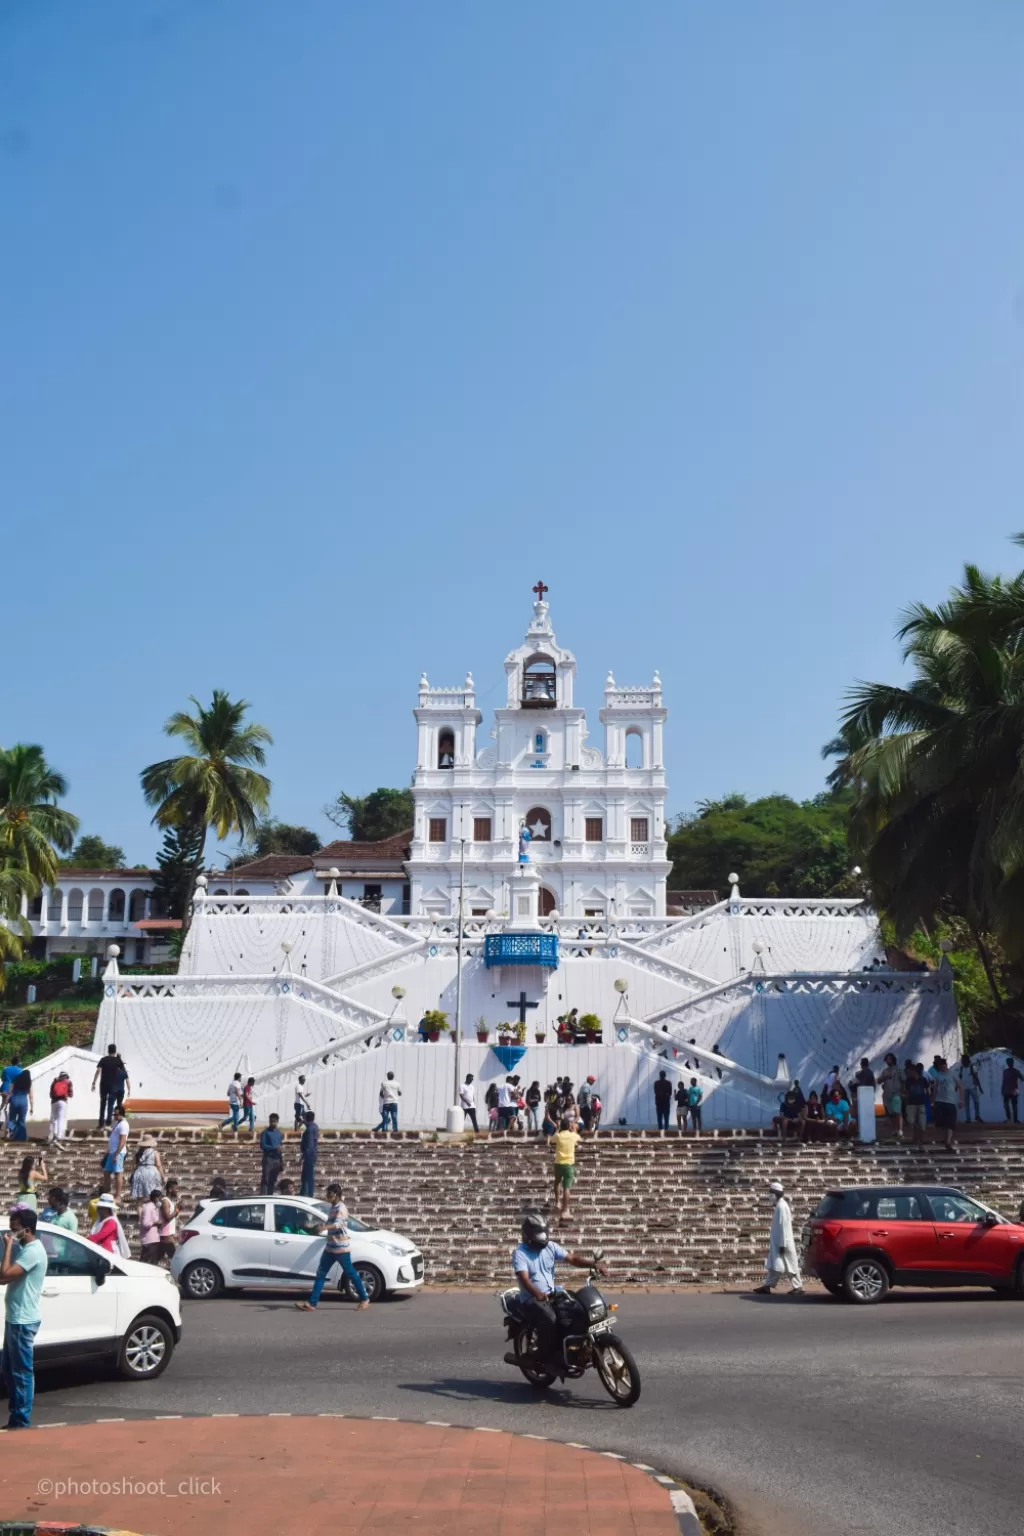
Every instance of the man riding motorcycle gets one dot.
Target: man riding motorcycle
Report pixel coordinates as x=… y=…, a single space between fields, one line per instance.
x=533 y=1264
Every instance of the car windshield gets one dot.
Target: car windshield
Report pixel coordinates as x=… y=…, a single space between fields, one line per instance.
x=354 y=1224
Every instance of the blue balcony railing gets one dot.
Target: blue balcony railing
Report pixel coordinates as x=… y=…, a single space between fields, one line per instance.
x=521 y=949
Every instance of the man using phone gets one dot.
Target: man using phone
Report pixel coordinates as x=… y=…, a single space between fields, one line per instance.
x=22 y=1271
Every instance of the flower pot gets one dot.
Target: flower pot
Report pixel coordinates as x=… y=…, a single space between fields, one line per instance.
x=591 y=1036
x=504 y=1039
x=540 y=1037
x=433 y=1034
x=481 y=1035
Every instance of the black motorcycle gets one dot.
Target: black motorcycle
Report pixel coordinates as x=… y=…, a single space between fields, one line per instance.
x=587 y=1340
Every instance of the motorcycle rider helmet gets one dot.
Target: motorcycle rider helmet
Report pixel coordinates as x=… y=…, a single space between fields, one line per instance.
x=534 y=1230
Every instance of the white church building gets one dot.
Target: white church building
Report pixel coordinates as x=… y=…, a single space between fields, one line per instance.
x=596 y=818
x=325 y=965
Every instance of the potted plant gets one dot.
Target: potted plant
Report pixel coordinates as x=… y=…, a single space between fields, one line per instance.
x=505 y=1033
x=436 y=1022
x=482 y=1030
x=540 y=1035
x=519 y=1034
x=591 y=1025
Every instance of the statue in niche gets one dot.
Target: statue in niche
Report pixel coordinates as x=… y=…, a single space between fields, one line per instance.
x=525 y=839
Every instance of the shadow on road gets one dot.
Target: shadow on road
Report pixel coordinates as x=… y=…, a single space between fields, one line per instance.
x=515 y=1394
x=896 y=1298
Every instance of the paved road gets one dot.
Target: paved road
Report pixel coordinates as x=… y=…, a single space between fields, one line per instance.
x=898 y=1420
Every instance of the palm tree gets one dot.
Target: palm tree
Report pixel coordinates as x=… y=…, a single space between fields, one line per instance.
x=937 y=768
x=14 y=929
x=214 y=786
x=33 y=827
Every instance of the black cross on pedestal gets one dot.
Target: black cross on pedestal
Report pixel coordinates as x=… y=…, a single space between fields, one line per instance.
x=522 y=1005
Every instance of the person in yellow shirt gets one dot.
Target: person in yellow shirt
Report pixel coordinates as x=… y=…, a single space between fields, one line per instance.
x=564 y=1141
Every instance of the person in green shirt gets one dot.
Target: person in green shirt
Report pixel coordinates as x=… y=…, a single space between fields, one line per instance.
x=22 y=1271
x=57 y=1212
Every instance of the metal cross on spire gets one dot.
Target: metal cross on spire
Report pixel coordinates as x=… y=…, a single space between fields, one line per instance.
x=540 y=589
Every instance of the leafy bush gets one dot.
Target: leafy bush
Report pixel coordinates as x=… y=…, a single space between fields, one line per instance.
x=434 y=1018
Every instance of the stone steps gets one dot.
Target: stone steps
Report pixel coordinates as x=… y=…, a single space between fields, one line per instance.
x=668 y=1210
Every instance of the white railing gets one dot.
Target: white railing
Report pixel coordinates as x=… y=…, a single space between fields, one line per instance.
x=355 y=1016
x=792 y=906
x=235 y=905
x=813 y=983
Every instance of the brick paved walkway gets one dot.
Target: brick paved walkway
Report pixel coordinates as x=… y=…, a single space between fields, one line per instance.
x=286 y=1476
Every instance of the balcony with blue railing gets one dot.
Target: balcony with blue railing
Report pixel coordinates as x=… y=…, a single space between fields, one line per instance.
x=521 y=949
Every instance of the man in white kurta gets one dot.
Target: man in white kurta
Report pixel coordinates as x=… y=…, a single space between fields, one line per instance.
x=782 y=1255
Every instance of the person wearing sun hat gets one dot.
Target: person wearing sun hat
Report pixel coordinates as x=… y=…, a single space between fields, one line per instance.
x=782 y=1255
x=107 y=1232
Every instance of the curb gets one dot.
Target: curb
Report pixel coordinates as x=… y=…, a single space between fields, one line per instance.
x=682 y=1505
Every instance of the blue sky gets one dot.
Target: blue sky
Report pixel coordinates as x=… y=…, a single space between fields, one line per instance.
x=331 y=327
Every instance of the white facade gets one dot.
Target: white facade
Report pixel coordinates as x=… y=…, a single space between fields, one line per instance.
x=597 y=819
x=87 y=909
x=741 y=996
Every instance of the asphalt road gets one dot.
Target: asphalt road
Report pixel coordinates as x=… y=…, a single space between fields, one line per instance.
x=897 y=1420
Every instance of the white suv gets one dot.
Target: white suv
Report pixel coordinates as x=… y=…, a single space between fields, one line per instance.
x=272 y=1241
x=96 y=1305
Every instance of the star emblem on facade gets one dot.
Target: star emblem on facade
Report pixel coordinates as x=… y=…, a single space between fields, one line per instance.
x=538 y=831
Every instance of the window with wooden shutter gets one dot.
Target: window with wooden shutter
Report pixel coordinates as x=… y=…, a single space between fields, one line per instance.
x=481 y=829
x=638 y=829
x=438 y=832
x=594 y=829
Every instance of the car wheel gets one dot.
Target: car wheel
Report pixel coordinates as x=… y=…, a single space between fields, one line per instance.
x=145 y=1349
x=202 y=1281
x=373 y=1283
x=865 y=1281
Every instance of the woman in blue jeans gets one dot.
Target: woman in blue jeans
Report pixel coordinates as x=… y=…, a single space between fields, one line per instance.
x=337 y=1250
x=20 y=1106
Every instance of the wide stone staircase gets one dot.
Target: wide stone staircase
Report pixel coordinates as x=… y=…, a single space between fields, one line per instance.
x=670 y=1209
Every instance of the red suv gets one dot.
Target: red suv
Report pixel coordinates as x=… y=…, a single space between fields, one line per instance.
x=860 y=1242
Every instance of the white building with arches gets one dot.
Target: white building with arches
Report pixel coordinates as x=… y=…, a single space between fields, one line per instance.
x=596 y=818
x=87 y=909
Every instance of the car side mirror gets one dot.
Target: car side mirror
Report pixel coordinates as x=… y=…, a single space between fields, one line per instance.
x=101 y=1272
x=991 y=1219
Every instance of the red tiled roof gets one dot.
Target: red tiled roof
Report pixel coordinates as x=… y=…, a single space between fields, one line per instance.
x=390 y=850
x=272 y=866
x=103 y=874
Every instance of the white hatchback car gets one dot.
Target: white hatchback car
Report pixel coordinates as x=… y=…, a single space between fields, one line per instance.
x=275 y=1242
x=96 y=1305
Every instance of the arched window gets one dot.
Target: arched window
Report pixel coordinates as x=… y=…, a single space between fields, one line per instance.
x=546 y=904
x=539 y=686
x=634 y=748
x=76 y=901
x=96 y=902
x=241 y=891
x=35 y=907
x=115 y=907
x=55 y=907
x=538 y=820
x=446 y=749
x=221 y=890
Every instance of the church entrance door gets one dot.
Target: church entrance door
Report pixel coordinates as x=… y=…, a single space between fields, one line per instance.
x=547 y=901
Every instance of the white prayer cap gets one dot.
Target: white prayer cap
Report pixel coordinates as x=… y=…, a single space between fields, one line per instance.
x=776 y=1188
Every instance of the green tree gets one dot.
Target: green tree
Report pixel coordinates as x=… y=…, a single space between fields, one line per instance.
x=369 y=818
x=176 y=864
x=936 y=770
x=33 y=827
x=92 y=852
x=14 y=883
x=278 y=837
x=216 y=785
x=778 y=846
